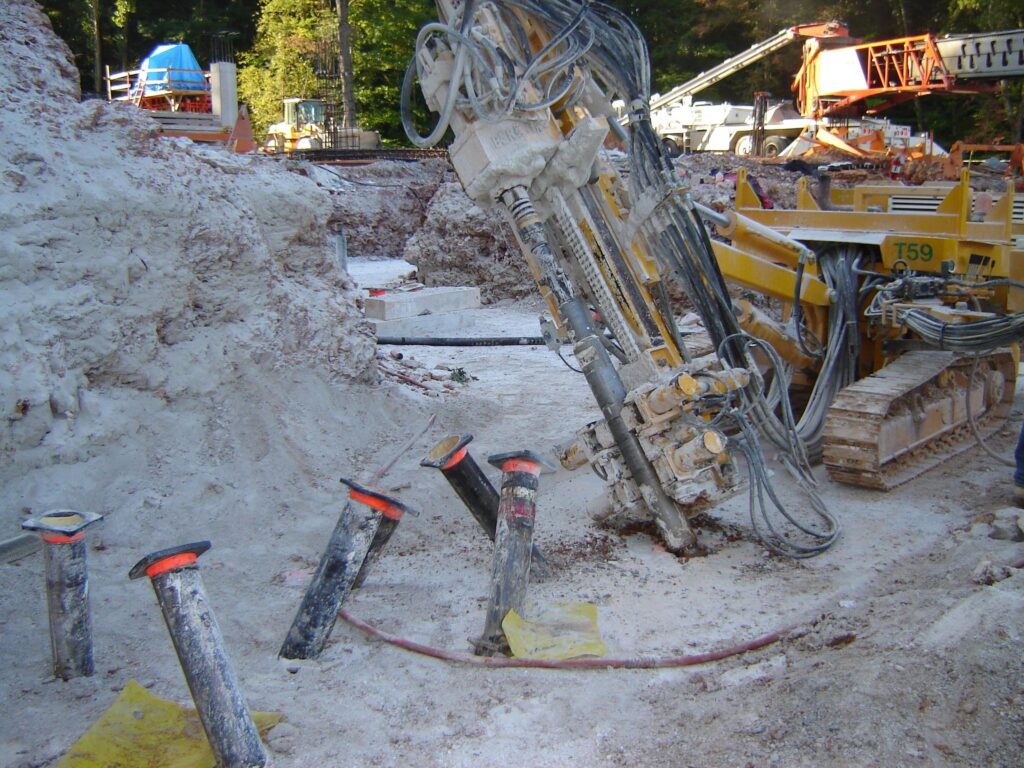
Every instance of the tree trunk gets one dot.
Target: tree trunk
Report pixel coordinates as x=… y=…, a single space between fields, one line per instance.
x=901 y=10
x=348 y=101
x=97 y=72
x=1016 y=122
x=126 y=39
x=1013 y=102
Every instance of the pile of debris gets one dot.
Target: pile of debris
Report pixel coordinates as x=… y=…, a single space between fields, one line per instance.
x=380 y=206
x=128 y=260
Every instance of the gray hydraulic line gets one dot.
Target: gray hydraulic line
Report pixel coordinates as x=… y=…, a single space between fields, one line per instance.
x=599 y=371
x=716 y=218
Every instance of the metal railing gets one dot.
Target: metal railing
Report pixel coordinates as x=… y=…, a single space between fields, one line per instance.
x=136 y=84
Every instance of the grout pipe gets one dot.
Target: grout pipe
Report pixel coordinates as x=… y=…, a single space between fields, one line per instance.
x=451 y=456
x=356 y=542
x=513 y=539
x=391 y=511
x=67 y=589
x=174 y=574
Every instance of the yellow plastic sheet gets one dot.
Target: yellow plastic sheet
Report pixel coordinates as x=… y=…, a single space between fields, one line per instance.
x=557 y=631
x=141 y=730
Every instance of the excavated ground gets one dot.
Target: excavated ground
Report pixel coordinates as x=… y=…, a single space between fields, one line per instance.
x=182 y=353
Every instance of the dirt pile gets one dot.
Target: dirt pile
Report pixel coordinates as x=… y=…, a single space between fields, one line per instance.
x=381 y=205
x=419 y=212
x=711 y=177
x=460 y=244
x=127 y=261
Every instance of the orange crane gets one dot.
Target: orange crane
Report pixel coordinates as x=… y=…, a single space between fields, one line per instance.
x=837 y=81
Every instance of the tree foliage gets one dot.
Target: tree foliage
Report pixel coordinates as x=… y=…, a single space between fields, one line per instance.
x=280 y=63
x=130 y=29
x=685 y=37
x=1003 y=111
x=384 y=36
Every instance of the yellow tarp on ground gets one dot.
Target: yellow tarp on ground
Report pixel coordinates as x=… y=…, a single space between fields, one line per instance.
x=141 y=730
x=557 y=631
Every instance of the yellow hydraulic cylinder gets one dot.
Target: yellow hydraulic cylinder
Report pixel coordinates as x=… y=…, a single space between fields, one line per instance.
x=758 y=324
x=765 y=242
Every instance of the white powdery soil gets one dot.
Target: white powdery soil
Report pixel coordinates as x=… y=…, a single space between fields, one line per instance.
x=181 y=353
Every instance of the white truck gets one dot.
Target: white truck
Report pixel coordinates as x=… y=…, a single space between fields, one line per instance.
x=686 y=125
x=705 y=127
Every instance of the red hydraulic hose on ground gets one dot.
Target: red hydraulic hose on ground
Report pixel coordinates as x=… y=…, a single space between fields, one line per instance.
x=639 y=662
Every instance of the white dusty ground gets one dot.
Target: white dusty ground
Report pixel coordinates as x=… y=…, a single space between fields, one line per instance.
x=182 y=354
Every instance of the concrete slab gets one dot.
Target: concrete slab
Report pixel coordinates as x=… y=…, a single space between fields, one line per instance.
x=425 y=301
x=443 y=324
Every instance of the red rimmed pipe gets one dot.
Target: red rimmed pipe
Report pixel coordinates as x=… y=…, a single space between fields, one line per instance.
x=452 y=457
x=223 y=711
x=513 y=542
x=357 y=540
x=67 y=589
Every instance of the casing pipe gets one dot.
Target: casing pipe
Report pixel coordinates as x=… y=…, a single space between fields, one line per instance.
x=67 y=589
x=451 y=456
x=222 y=708
x=510 y=568
x=345 y=557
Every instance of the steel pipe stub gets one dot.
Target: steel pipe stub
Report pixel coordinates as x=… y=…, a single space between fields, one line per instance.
x=165 y=560
x=388 y=506
x=61 y=526
x=500 y=460
x=447 y=453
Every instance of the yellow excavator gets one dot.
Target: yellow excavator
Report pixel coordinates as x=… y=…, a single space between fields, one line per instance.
x=309 y=125
x=893 y=340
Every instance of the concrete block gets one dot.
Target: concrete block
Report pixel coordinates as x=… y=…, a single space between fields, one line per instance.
x=443 y=324
x=426 y=301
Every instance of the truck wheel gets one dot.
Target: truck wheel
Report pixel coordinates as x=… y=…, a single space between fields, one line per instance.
x=773 y=145
x=671 y=147
x=274 y=143
x=742 y=145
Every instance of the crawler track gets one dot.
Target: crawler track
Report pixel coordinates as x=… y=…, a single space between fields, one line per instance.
x=911 y=416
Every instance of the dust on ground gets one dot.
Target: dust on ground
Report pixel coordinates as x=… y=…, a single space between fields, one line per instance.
x=183 y=354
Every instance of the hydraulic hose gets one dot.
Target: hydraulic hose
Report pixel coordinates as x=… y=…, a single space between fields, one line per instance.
x=448 y=341
x=636 y=662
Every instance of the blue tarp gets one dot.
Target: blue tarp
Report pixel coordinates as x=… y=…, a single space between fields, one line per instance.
x=171 y=67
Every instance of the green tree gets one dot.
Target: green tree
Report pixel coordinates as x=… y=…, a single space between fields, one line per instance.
x=383 y=39
x=348 y=97
x=75 y=22
x=291 y=33
x=280 y=63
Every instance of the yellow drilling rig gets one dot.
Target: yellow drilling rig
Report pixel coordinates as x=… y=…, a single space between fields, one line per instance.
x=896 y=339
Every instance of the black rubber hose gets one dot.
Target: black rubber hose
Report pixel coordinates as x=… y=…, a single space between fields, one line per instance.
x=480 y=341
